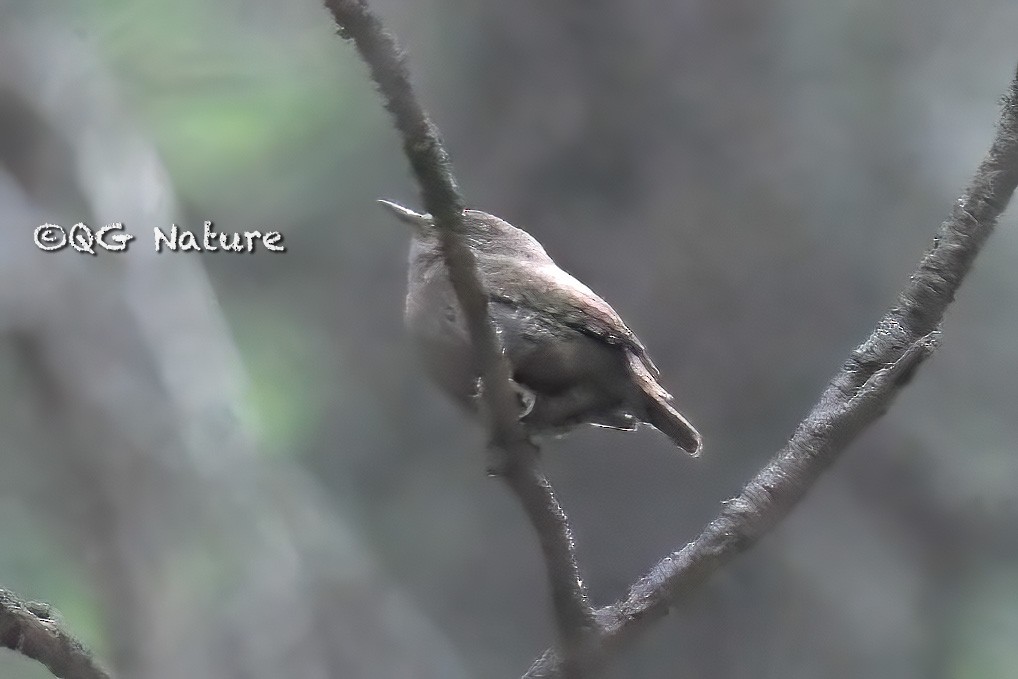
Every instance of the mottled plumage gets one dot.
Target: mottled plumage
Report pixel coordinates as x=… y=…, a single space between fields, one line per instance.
x=571 y=354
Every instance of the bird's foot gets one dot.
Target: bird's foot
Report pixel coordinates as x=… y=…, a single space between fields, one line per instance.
x=526 y=397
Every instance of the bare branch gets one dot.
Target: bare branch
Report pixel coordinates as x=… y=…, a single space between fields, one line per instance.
x=26 y=627
x=857 y=395
x=515 y=456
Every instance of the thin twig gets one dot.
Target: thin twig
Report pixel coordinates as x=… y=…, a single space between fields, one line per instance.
x=857 y=395
x=515 y=456
x=29 y=629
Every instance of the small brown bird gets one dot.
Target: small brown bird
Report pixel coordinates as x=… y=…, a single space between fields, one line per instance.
x=572 y=357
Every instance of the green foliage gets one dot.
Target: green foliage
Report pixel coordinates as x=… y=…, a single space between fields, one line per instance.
x=289 y=387
x=987 y=627
x=232 y=98
x=38 y=569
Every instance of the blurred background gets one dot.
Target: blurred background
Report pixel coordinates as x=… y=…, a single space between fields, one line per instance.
x=230 y=465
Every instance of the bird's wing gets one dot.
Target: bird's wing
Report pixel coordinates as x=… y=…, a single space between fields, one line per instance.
x=552 y=291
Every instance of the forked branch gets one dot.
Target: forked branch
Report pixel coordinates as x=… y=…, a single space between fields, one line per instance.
x=857 y=395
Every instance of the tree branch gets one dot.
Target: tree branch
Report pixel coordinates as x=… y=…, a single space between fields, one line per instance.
x=26 y=627
x=857 y=395
x=515 y=456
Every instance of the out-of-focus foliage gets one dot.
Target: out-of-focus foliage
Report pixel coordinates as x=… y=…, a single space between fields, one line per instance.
x=749 y=183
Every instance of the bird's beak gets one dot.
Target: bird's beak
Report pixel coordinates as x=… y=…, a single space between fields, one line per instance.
x=407 y=215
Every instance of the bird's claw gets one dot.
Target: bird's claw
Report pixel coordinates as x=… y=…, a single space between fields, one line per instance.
x=526 y=397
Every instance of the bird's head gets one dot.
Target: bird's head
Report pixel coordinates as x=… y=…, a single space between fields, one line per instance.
x=484 y=233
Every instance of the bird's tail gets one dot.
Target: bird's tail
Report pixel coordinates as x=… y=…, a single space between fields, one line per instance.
x=666 y=419
x=660 y=414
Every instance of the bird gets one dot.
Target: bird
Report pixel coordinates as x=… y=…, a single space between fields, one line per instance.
x=572 y=358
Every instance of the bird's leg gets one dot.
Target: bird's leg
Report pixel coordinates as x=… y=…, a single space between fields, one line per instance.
x=526 y=397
